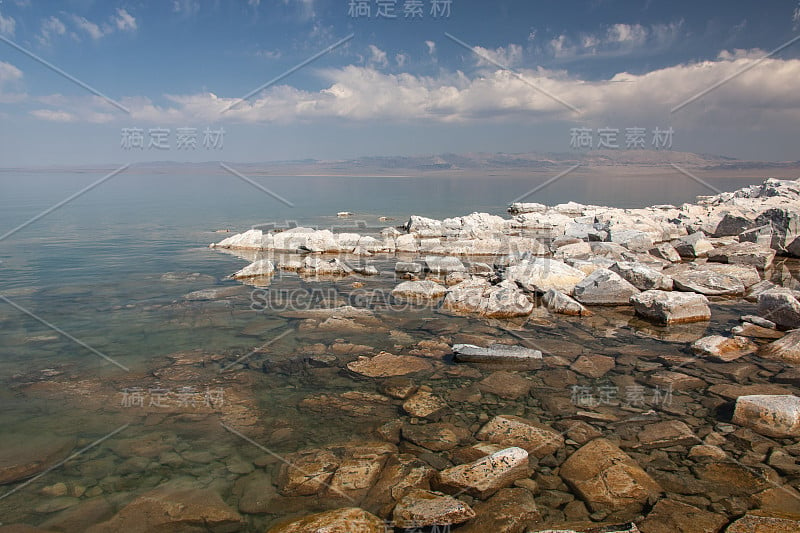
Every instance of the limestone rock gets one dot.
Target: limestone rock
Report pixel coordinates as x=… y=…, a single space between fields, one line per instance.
x=666 y=434
x=508 y=511
x=508 y=430
x=781 y=307
x=495 y=354
x=604 y=287
x=771 y=415
x=749 y=254
x=671 y=307
x=670 y=516
x=541 y=275
x=422 y=508
x=724 y=349
x=607 y=479
x=346 y=520
x=786 y=349
x=760 y=522
x=558 y=302
x=593 y=366
x=264 y=267
x=505 y=384
x=487 y=475
x=387 y=365
x=642 y=277
x=419 y=290
x=424 y=404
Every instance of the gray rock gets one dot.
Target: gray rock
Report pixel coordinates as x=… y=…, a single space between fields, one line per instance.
x=743 y=254
x=695 y=278
x=419 y=290
x=541 y=275
x=558 y=302
x=667 y=252
x=604 y=287
x=771 y=415
x=671 y=307
x=724 y=349
x=495 y=353
x=487 y=475
x=694 y=245
x=631 y=239
x=785 y=224
x=423 y=508
x=444 y=265
x=402 y=267
x=642 y=277
x=781 y=307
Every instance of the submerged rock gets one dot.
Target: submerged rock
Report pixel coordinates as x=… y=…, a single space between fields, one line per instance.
x=419 y=290
x=508 y=430
x=607 y=479
x=484 y=477
x=724 y=349
x=387 y=365
x=510 y=510
x=423 y=508
x=264 y=267
x=347 y=520
x=771 y=415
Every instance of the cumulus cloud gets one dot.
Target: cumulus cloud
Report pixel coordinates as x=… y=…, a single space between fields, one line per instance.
x=431 y=47
x=53 y=116
x=758 y=97
x=401 y=59
x=90 y=28
x=51 y=27
x=10 y=76
x=509 y=56
x=7 y=25
x=124 y=21
x=377 y=57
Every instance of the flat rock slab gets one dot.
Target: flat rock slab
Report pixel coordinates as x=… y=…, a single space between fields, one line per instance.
x=608 y=479
x=786 y=349
x=347 y=520
x=693 y=278
x=436 y=437
x=604 y=287
x=509 y=511
x=781 y=307
x=745 y=253
x=670 y=516
x=495 y=354
x=487 y=475
x=424 y=508
x=424 y=404
x=419 y=290
x=386 y=365
x=667 y=379
x=593 y=366
x=507 y=385
x=24 y=456
x=666 y=434
x=671 y=307
x=758 y=522
x=771 y=415
x=508 y=430
x=731 y=391
x=724 y=349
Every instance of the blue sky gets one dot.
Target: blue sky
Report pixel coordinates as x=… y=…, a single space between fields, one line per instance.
x=398 y=86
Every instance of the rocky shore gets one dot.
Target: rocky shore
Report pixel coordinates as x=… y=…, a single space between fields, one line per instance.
x=570 y=368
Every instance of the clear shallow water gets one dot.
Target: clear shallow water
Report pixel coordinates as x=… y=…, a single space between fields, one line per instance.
x=95 y=269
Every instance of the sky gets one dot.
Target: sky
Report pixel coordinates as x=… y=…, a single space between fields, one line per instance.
x=86 y=82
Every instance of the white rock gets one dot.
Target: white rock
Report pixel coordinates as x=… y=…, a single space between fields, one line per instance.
x=772 y=415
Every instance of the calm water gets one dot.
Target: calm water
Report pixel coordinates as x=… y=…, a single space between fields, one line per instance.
x=95 y=269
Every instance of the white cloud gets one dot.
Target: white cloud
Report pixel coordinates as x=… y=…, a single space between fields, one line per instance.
x=269 y=54
x=305 y=8
x=510 y=56
x=124 y=21
x=9 y=72
x=759 y=98
x=617 y=39
x=51 y=27
x=90 y=28
x=53 y=116
x=10 y=76
x=401 y=59
x=186 y=7
x=7 y=25
x=377 y=57
x=796 y=16
x=431 y=47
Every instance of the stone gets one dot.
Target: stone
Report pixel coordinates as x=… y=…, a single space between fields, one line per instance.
x=749 y=254
x=510 y=510
x=759 y=522
x=784 y=223
x=748 y=329
x=507 y=385
x=706 y=452
x=671 y=307
x=476 y=295
x=642 y=277
x=436 y=437
x=731 y=479
x=670 y=516
x=507 y=430
x=401 y=474
x=171 y=508
x=631 y=239
x=541 y=275
x=666 y=434
x=724 y=349
x=402 y=267
x=785 y=349
x=346 y=520
x=25 y=455
x=423 y=508
x=558 y=302
x=771 y=415
x=593 y=366
x=424 y=404
x=307 y=472
x=257 y=493
x=263 y=267
x=388 y=365
x=694 y=245
x=733 y=223
x=695 y=278
x=485 y=476
x=495 y=354
x=781 y=307
x=444 y=264
x=608 y=479
x=604 y=287
x=419 y=290
x=80 y=517
x=667 y=252
x=666 y=379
